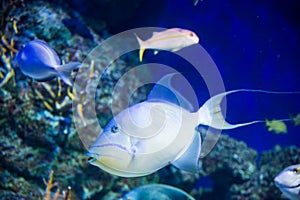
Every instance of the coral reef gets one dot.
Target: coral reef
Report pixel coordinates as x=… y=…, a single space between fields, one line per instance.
x=102 y=14
x=261 y=184
x=236 y=172
x=230 y=162
x=37 y=135
x=66 y=195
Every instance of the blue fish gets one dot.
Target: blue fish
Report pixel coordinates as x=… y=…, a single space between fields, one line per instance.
x=40 y=62
x=157 y=192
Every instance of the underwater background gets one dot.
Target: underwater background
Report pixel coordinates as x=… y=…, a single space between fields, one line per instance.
x=255 y=45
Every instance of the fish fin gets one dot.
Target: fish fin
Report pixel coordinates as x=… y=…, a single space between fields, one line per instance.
x=195 y=2
x=189 y=160
x=45 y=79
x=210 y=113
x=155 y=33
x=164 y=91
x=209 y=138
x=65 y=70
x=141 y=54
x=142 y=47
x=177 y=49
x=284 y=196
x=155 y=52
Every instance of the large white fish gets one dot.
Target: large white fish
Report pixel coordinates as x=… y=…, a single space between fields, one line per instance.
x=152 y=134
x=172 y=39
x=40 y=62
x=288 y=182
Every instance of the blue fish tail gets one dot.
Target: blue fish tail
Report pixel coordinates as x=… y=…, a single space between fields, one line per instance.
x=65 y=70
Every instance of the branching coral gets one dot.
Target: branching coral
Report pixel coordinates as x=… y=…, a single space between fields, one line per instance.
x=6 y=7
x=55 y=100
x=37 y=116
x=50 y=102
x=65 y=195
x=8 y=27
x=9 y=71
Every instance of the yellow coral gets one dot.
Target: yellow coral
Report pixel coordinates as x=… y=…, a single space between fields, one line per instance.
x=66 y=195
x=10 y=71
x=57 y=101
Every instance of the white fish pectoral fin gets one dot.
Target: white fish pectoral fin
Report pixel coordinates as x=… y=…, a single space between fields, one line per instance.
x=210 y=137
x=65 y=70
x=189 y=160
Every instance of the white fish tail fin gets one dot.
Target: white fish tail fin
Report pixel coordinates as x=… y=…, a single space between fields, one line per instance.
x=210 y=113
x=142 y=47
x=65 y=70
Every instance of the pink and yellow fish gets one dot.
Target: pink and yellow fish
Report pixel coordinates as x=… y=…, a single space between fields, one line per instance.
x=172 y=39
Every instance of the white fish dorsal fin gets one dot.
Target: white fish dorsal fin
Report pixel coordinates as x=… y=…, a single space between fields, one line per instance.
x=189 y=160
x=164 y=91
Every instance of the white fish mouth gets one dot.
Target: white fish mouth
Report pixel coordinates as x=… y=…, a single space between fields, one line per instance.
x=94 y=155
x=286 y=186
x=110 y=145
x=91 y=159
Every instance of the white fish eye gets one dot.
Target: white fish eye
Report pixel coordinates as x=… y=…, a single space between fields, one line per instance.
x=191 y=35
x=114 y=129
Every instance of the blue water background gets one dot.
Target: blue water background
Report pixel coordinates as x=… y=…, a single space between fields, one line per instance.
x=255 y=45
